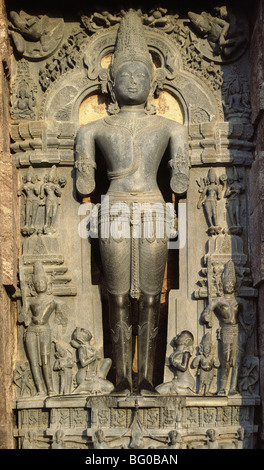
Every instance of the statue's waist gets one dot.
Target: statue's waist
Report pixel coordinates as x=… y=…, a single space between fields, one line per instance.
x=153 y=196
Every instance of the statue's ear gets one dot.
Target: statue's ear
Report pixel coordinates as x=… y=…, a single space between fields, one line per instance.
x=155 y=89
x=113 y=108
x=159 y=79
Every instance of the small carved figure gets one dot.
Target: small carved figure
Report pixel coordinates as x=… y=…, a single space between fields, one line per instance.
x=52 y=190
x=233 y=192
x=175 y=440
x=212 y=440
x=207 y=364
x=58 y=442
x=227 y=307
x=99 y=440
x=38 y=333
x=226 y=35
x=91 y=378
x=24 y=103
x=35 y=36
x=249 y=375
x=30 y=440
x=23 y=379
x=210 y=193
x=179 y=360
x=63 y=364
x=30 y=189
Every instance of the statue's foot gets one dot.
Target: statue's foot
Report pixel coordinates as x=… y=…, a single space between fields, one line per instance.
x=146 y=388
x=123 y=388
x=221 y=392
x=233 y=391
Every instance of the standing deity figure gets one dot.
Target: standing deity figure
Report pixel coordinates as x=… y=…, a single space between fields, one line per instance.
x=227 y=308
x=30 y=190
x=52 y=190
x=207 y=363
x=210 y=193
x=233 y=192
x=38 y=333
x=132 y=142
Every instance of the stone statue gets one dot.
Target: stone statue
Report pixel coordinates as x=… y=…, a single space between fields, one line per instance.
x=234 y=189
x=58 y=442
x=207 y=364
x=30 y=189
x=227 y=308
x=91 y=377
x=38 y=333
x=133 y=142
x=51 y=188
x=25 y=102
x=210 y=193
x=63 y=364
x=35 y=36
x=183 y=382
x=225 y=33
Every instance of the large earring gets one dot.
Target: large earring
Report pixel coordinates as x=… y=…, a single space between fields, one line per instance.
x=113 y=108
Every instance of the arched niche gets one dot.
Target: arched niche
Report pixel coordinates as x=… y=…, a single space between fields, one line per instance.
x=187 y=94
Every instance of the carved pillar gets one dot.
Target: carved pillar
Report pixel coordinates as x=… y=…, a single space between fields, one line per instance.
x=8 y=243
x=256 y=213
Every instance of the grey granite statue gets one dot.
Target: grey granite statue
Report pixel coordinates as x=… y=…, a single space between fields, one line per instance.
x=133 y=142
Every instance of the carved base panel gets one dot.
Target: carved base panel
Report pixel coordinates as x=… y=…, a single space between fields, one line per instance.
x=136 y=422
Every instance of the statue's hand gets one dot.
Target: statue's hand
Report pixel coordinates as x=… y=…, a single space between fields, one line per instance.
x=85 y=181
x=179 y=183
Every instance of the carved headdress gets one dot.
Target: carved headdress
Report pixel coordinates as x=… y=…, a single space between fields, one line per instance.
x=229 y=273
x=131 y=44
x=38 y=270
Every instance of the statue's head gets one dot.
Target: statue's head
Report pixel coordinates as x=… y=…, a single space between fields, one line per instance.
x=39 y=278
x=131 y=72
x=229 y=278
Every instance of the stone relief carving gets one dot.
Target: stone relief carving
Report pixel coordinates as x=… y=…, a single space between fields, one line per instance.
x=38 y=193
x=38 y=333
x=210 y=192
x=91 y=377
x=183 y=381
x=67 y=63
x=223 y=35
x=207 y=363
x=35 y=37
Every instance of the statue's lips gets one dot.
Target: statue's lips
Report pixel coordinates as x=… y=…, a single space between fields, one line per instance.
x=132 y=90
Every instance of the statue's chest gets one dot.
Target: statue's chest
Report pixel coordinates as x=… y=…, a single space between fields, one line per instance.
x=120 y=139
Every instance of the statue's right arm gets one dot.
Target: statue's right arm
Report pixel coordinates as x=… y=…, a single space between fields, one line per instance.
x=85 y=160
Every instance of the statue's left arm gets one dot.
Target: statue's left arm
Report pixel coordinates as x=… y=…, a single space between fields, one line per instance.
x=179 y=162
x=85 y=161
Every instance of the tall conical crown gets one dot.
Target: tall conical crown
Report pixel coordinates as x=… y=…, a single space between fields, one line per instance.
x=229 y=273
x=38 y=270
x=131 y=44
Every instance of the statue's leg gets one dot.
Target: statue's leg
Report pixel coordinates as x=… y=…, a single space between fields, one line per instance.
x=152 y=262
x=147 y=336
x=32 y=350
x=121 y=332
x=115 y=255
x=45 y=343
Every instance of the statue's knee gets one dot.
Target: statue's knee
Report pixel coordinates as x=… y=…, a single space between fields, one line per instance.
x=150 y=301
x=119 y=301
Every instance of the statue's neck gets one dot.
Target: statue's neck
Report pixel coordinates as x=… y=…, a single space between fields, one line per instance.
x=134 y=111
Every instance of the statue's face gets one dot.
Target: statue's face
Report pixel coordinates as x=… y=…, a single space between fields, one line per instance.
x=229 y=287
x=132 y=84
x=40 y=284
